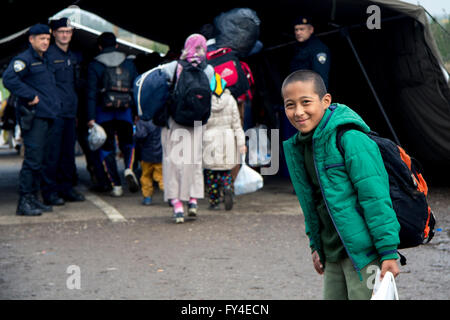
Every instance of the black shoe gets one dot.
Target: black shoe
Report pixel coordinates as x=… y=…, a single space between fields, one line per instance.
x=38 y=204
x=130 y=177
x=228 y=199
x=72 y=196
x=53 y=200
x=25 y=207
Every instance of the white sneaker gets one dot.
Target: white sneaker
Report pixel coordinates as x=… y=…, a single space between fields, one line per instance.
x=117 y=191
x=133 y=184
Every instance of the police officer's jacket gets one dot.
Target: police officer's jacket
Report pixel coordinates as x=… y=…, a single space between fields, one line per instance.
x=314 y=55
x=27 y=76
x=109 y=57
x=63 y=64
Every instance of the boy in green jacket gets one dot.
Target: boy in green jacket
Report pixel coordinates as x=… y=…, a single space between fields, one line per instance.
x=349 y=219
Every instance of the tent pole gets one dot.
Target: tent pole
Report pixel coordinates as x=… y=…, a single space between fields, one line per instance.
x=345 y=33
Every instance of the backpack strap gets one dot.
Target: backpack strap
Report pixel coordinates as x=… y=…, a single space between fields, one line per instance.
x=340 y=132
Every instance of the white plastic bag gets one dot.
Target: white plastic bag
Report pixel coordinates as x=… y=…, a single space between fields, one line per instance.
x=386 y=289
x=259 y=146
x=96 y=137
x=247 y=180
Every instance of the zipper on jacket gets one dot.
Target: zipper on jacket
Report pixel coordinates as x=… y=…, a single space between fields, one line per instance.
x=329 y=213
x=331 y=166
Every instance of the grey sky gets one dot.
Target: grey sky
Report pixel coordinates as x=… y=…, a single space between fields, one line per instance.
x=433 y=6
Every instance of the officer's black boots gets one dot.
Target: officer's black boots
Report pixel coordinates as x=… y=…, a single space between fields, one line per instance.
x=26 y=207
x=39 y=204
x=53 y=200
x=72 y=196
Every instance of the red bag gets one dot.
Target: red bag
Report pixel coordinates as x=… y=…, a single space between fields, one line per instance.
x=228 y=66
x=251 y=82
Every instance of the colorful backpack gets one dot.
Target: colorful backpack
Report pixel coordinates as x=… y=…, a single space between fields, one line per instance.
x=226 y=63
x=408 y=190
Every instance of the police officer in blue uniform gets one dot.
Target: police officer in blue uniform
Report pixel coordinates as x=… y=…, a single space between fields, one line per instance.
x=29 y=78
x=59 y=164
x=309 y=52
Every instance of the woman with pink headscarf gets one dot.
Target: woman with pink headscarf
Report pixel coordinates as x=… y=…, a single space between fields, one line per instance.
x=182 y=146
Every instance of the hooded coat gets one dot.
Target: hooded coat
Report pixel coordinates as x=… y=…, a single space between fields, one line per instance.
x=109 y=57
x=223 y=135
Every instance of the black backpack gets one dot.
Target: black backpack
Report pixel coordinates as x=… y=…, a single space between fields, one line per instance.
x=407 y=188
x=189 y=97
x=117 y=88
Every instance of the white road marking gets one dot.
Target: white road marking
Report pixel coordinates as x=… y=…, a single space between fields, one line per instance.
x=107 y=209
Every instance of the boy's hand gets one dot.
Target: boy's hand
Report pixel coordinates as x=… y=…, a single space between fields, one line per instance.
x=389 y=265
x=317 y=264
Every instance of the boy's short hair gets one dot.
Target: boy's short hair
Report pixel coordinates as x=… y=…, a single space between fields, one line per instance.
x=305 y=76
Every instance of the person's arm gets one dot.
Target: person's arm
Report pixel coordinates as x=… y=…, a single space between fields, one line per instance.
x=321 y=64
x=91 y=91
x=142 y=129
x=134 y=75
x=366 y=170
x=12 y=80
x=236 y=124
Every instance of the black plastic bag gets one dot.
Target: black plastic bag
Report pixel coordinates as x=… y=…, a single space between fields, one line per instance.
x=237 y=29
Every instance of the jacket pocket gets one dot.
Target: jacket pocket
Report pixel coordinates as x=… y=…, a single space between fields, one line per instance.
x=336 y=172
x=335 y=165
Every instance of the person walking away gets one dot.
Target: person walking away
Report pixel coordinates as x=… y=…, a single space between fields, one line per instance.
x=29 y=78
x=148 y=137
x=110 y=104
x=183 y=176
x=223 y=141
x=349 y=218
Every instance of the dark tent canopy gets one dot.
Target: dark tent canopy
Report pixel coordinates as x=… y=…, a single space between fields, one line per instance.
x=392 y=76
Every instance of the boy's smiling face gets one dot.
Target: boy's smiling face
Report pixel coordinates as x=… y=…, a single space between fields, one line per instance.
x=303 y=106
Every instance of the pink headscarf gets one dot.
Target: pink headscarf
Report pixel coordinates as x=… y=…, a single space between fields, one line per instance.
x=194 y=49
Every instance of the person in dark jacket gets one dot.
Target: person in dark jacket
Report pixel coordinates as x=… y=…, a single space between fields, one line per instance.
x=148 y=137
x=29 y=78
x=309 y=54
x=59 y=168
x=113 y=108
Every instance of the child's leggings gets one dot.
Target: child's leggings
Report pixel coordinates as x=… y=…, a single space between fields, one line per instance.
x=151 y=172
x=214 y=180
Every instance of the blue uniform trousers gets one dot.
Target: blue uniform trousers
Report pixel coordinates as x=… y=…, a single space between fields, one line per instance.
x=34 y=141
x=58 y=169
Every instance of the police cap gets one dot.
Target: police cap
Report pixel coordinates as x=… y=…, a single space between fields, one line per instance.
x=39 y=29
x=60 y=23
x=302 y=20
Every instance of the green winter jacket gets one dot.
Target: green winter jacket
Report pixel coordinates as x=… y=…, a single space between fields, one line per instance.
x=355 y=189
